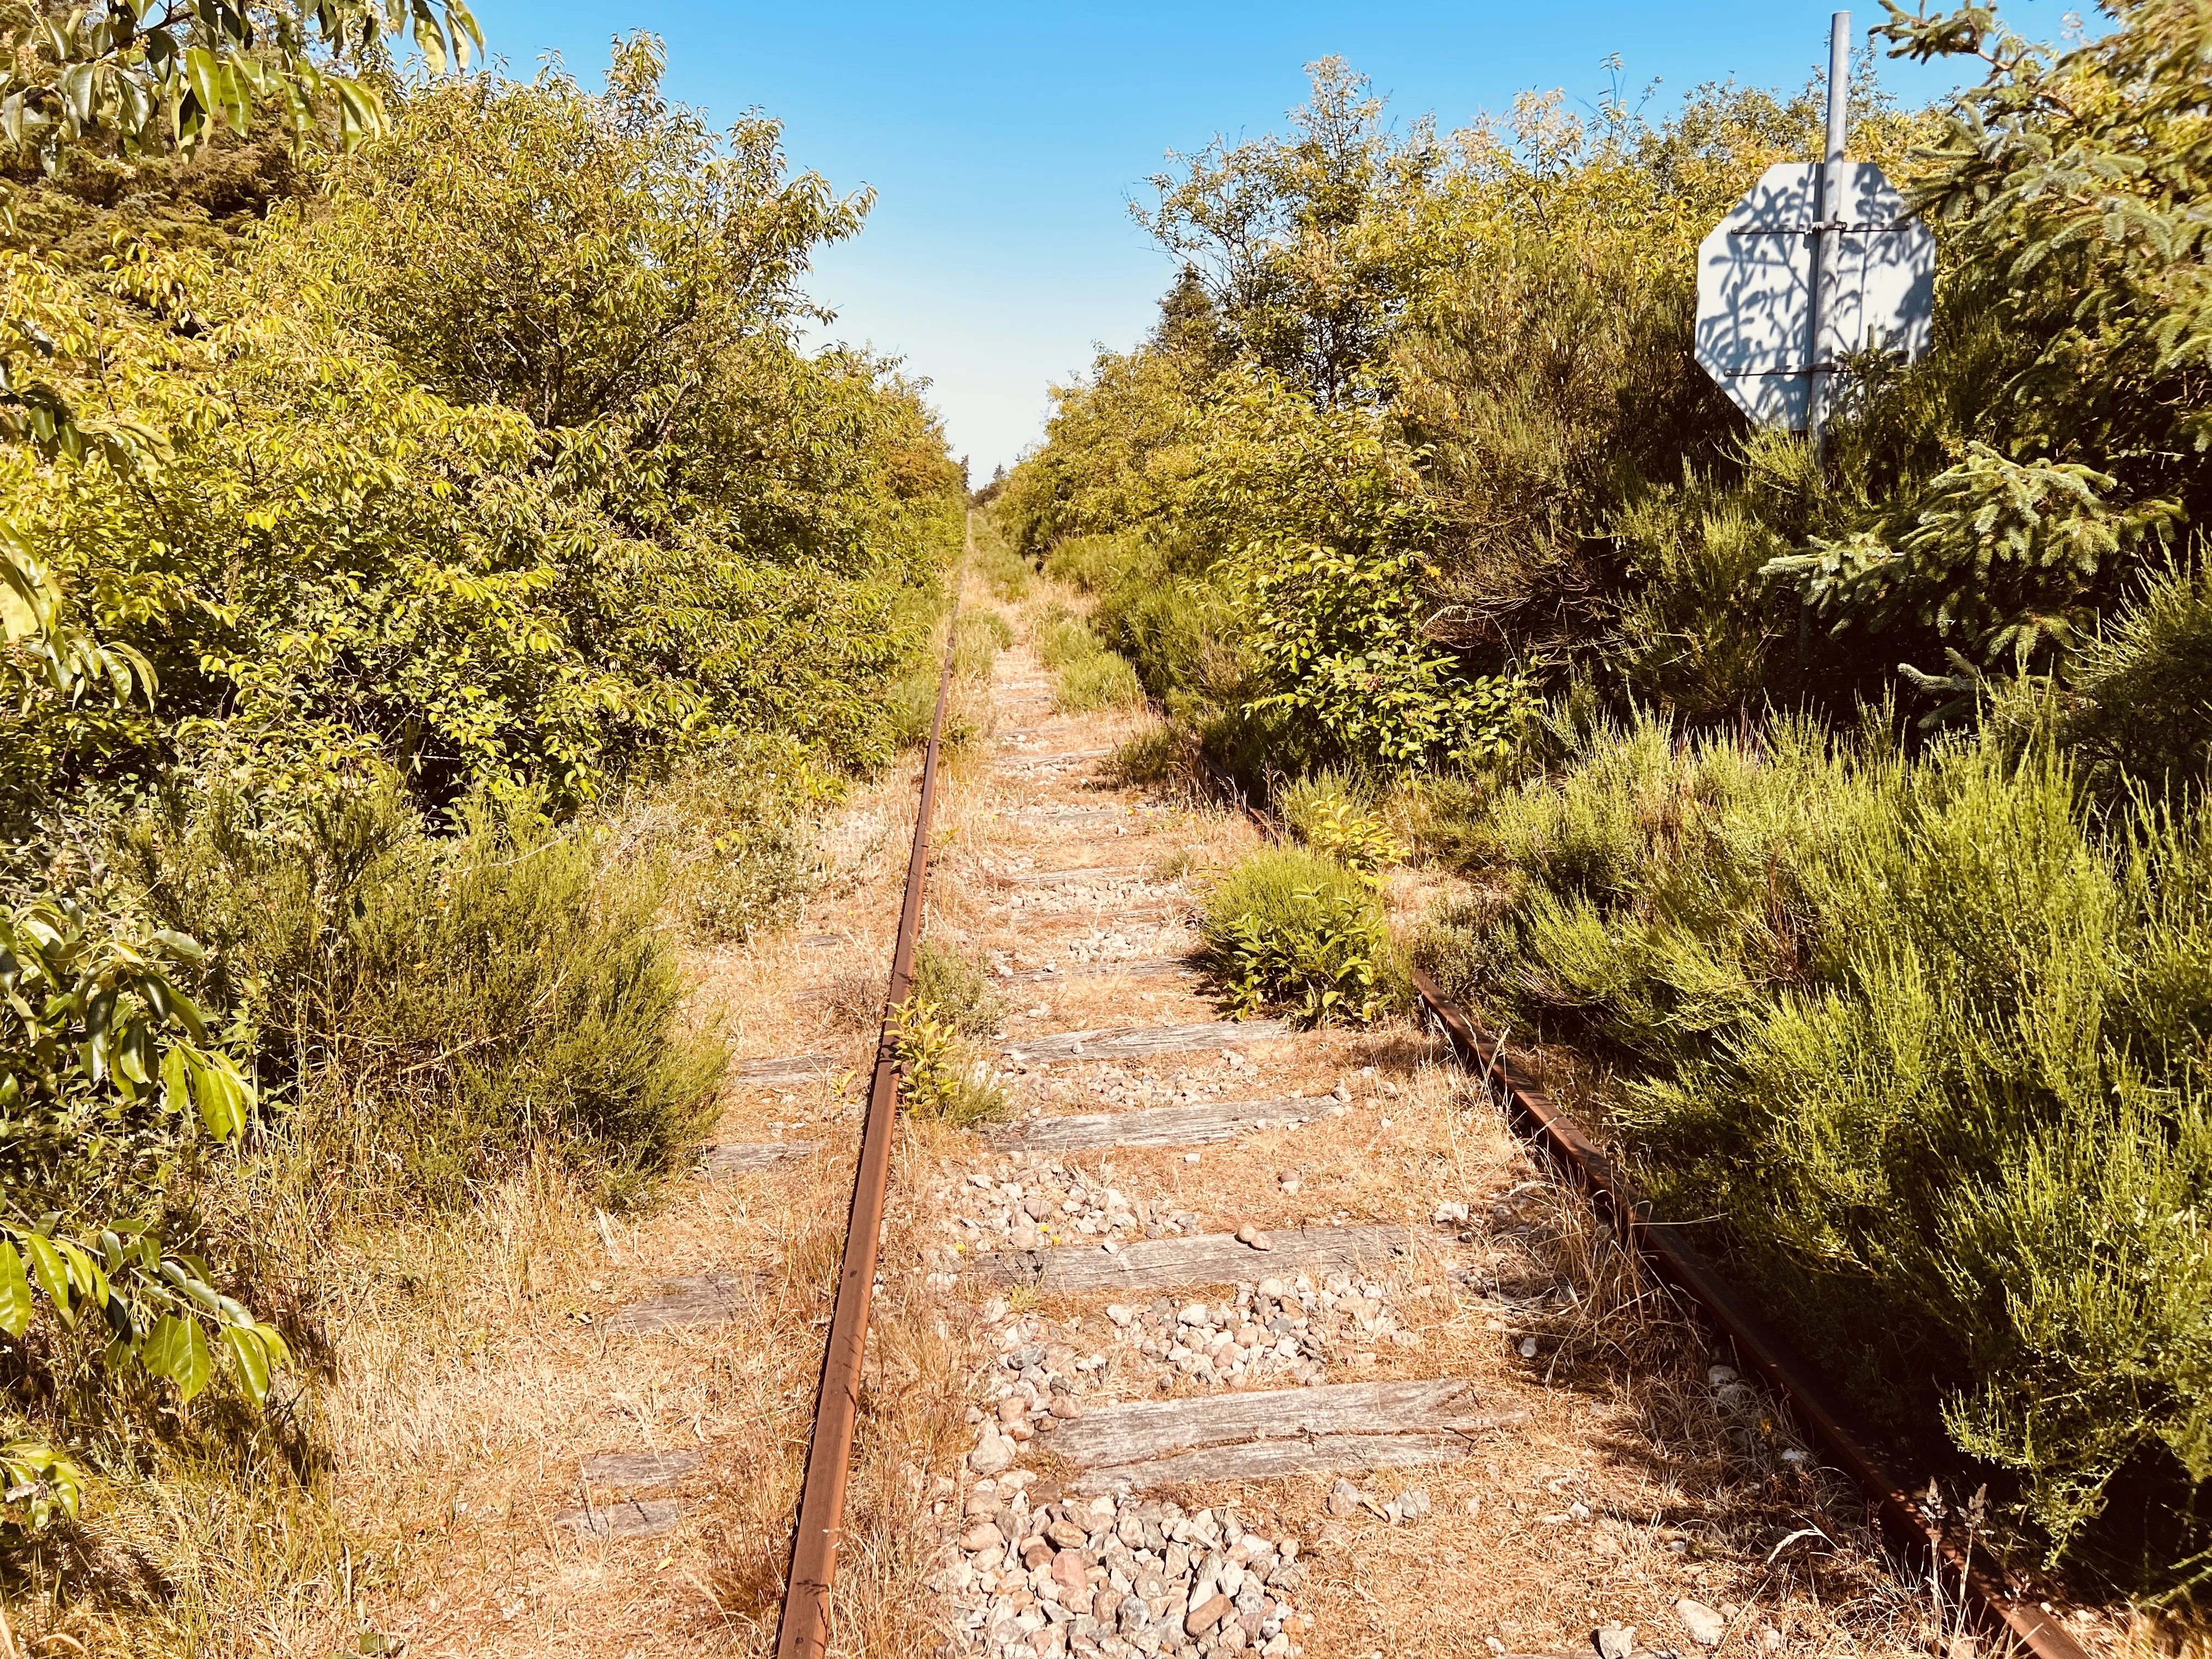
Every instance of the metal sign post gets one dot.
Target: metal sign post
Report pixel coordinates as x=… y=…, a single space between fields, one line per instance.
x=1831 y=222
x=1817 y=261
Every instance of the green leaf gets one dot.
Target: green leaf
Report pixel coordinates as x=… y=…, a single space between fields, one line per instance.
x=178 y=1349
x=84 y=1273
x=176 y=1078
x=250 y=1359
x=14 y=1292
x=222 y=1100
x=205 y=74
x=47 y=1266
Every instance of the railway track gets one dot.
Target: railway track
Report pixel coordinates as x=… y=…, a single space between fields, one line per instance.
x=1275 y=1332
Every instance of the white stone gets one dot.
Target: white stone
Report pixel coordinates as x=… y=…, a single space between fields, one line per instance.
x=1705 y=1628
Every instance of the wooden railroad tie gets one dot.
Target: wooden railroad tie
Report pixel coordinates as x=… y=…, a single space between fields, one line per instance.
x=1144 y=1041
x=1275 y=1433
x=1197 y=1125
x=1163 y=1264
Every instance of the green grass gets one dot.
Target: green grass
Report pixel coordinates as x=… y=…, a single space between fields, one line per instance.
x=1105 y=681
x=1086 y=676
x=1091 y=564
x=955 y=985
x=978 y=637
x=994 y=559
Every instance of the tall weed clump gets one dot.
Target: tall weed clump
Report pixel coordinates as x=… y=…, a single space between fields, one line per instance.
x=723 y=826
x=1085 y=674
x=1936 y=1040
x=1288 y=929
x=951 y=1002
x=994 y=558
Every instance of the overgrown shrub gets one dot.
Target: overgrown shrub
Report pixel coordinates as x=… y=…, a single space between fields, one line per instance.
x=1288 y=929
x=1090 y=564
x=2141 y=688
x=426 y=1012
x=1105 y=681
x=1153 y=756
x=723 y=827
x=1327 y=814
x=910 y=705
x=1086 y=675
x=1935 y=1040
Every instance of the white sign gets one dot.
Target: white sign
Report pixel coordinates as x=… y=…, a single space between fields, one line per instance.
x=1755 y=287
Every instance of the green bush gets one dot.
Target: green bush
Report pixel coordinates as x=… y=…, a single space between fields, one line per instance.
x=1179 y=635
x=430 y=1011
x=1153 y=756
x=1287 y=929
x=1327 y=814
x=2142 y=687
x=1934 y=1038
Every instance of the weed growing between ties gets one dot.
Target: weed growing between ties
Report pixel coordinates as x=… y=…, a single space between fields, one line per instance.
x=955 y=986
x=944 y=1081
x=1153 y=757
x=1288 y=929
x=952 y=1001
x=978 y=637
x=1086 y=676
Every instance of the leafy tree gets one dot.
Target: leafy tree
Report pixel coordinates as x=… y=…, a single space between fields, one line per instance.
x=105 y=1070
x=1298 y=241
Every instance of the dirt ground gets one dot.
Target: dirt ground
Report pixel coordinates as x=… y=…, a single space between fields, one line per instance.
x=1637 y=1476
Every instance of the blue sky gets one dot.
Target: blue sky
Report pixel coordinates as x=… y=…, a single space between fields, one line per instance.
x=1005 y=141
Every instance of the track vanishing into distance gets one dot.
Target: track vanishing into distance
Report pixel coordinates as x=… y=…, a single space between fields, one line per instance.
x=1282 y=1342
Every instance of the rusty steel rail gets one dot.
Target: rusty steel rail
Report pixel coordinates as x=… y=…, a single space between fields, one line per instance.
x=2032 y=1631
x=803 y=1631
